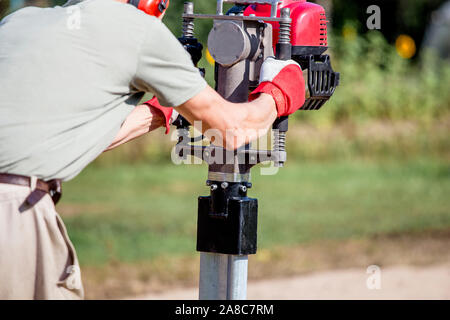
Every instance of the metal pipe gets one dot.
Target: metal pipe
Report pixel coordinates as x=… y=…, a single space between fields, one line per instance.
x=219 y=9
x=274 y=9
x=237 y=277
x=213 y=283
x=223 y=277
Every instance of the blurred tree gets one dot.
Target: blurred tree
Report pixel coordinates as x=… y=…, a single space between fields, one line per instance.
x=397 y=16
x=437 y=34
x=4 y=6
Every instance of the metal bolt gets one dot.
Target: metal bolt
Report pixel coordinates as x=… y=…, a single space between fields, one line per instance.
x=214 y=187
x=243 y=188
x=189 y=7
x=224 y=185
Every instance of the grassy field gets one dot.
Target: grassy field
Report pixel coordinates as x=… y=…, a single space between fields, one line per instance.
x=138 y=213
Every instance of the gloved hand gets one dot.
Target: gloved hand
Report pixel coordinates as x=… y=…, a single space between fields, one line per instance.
x=169 y=114
x=283 y=80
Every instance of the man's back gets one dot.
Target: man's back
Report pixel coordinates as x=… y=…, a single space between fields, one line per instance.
x=69 y=78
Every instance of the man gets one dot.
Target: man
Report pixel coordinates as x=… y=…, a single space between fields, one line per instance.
x=71 y=78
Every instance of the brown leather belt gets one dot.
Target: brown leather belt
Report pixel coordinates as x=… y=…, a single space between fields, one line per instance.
x=52 y=187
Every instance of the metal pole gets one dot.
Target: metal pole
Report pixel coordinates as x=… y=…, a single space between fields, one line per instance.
x=237 y=277
x=213 y=276
x=219 y=9
x=274 y=8
x=223 y=277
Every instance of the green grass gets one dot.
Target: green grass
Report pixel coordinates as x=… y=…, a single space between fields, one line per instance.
x=136 y=213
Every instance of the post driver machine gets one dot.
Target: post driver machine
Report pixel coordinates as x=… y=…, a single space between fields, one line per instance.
x=239 y=42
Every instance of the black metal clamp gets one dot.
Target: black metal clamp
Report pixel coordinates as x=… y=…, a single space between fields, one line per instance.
x=227 y=220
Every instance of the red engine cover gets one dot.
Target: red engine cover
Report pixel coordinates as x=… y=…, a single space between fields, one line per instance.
x=309 y=25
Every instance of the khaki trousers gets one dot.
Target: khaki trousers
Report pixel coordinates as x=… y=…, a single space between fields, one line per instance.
x=37 y=259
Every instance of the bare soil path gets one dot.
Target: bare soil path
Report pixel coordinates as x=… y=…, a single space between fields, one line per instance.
x=399 y=282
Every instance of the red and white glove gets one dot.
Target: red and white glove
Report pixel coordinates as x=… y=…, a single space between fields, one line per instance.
x=169 y=114
x=283 y=80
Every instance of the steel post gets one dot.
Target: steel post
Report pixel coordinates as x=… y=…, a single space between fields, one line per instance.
x=213 y=276
x=237 y=277
x=223 y=277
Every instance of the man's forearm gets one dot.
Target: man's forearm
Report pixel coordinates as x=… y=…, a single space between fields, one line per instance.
x=141 y=120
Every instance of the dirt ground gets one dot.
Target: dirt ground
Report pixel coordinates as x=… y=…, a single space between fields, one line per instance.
x=400 y=282
x=412 y=266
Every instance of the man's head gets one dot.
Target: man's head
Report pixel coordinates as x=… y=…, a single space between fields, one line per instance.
x=155 y=8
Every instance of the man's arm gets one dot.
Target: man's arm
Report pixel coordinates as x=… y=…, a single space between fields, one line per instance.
x=216 y=113
x=140 y=121
x=231 y=125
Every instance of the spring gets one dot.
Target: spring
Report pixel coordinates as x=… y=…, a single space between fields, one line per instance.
x=279 y=141
x=188 y=28
x=285 y=33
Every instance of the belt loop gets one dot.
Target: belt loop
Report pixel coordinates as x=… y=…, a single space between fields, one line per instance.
x=33 y=183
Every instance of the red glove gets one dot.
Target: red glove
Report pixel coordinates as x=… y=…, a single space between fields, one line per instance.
x=169 y=114
x=283 y=80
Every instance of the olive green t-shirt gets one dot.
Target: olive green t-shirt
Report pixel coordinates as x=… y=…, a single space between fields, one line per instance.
x=69 y=77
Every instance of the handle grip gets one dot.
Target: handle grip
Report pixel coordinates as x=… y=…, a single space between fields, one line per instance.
x=284 y=52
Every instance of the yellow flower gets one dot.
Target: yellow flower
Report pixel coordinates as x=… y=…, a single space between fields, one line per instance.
x=406 y=46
